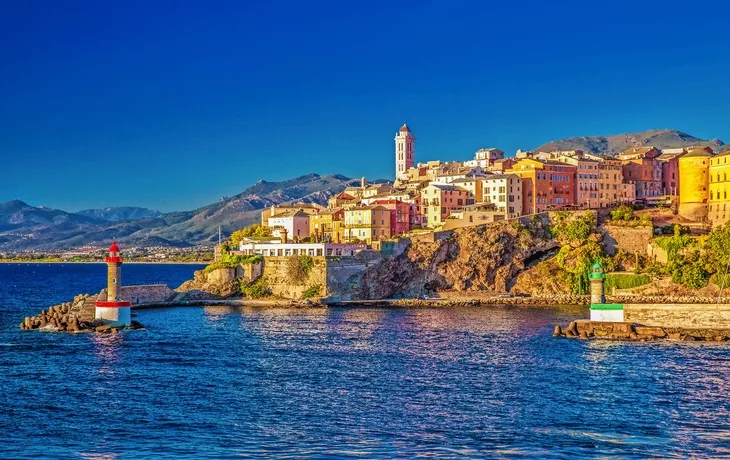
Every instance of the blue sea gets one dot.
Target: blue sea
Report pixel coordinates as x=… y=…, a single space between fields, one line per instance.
x=218 y=382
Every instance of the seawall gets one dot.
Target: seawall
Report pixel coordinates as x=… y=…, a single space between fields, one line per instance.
x=679 y=315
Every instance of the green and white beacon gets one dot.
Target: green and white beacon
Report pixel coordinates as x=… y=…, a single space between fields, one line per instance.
x=600 y=310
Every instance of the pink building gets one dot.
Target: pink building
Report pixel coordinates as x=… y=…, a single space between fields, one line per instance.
x=400 y=215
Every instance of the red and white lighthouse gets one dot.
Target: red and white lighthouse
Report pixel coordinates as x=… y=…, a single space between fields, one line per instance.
x=113 y=310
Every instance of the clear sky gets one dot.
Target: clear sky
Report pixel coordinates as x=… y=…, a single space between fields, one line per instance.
x=171 y=105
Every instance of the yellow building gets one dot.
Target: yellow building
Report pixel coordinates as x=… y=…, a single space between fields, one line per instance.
x=439 y=200
x=307 y=208
x=694 y=190
x=326 y=227
x=719 y=184
x=366 y=223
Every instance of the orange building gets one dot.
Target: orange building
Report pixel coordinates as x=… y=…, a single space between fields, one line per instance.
x=439 y=200
x=546 y=184
x=587 y=178
x=610 y=183
x=641 y=168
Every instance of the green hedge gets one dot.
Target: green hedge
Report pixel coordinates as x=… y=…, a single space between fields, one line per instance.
x=624 y=281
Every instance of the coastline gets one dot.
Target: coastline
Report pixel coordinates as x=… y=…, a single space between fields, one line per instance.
x=99 y=262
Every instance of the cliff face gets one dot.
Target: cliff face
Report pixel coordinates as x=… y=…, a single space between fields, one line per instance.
x=486 y=258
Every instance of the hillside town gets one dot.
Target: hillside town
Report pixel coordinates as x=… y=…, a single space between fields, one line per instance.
x=444 y=195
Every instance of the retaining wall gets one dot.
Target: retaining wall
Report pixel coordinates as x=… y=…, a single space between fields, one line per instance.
x=679 y=315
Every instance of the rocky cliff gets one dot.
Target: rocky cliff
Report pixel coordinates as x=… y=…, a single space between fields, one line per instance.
x=485 y=258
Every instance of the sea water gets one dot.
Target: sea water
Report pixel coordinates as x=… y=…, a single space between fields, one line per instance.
x=219 y=382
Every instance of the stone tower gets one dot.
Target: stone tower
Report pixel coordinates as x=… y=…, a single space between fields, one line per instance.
x=694 y=186
x=113 y=310
x=405 y=145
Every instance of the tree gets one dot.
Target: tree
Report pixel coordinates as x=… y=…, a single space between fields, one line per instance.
x=255 y=230
x=623 y=212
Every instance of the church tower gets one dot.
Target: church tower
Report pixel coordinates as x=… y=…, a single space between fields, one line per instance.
x=404 y=151
x=113 y=310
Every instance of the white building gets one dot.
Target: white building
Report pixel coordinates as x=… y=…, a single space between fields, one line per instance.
x=295 y=222
x=505 y=192
x=274 y=248
x=484 y=158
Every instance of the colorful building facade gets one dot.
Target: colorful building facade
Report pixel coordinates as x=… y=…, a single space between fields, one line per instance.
x=719 y=185
x=694 y=193
x=366 y=224
x=438 y=200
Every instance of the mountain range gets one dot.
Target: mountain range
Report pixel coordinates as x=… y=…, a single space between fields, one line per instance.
x=116 y=214
x=613 y=145
x=24 y=227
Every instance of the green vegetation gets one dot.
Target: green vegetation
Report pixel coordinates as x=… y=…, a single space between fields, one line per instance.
x=579 y=250
x=691 y=261
x=233 y=261
x=624 y=216
x=312 y=291
x=298 y=269
x=256 y=290
x=625 y=281
x=252 y=231
x=623 y=212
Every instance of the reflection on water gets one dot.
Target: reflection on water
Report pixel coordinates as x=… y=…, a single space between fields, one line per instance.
x=371 y=382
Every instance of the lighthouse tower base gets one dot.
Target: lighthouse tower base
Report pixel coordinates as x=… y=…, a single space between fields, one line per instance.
x=114 y=313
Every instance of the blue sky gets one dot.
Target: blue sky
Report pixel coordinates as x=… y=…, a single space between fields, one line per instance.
x=178 y=103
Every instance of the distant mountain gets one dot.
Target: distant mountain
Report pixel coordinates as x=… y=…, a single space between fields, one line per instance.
x=24 y=227
x=613 y=145
x=120 y=213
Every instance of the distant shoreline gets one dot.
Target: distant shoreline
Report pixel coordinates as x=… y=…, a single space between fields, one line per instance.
x=41 y=262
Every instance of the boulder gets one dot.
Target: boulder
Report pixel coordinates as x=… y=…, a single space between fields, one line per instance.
x=557 y=332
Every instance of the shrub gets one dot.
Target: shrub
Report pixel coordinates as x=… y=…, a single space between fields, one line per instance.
x=625 y=281
x=694 y=276
x=257 y=289
x=312 y=291
x=298 y=268
x=623 y=212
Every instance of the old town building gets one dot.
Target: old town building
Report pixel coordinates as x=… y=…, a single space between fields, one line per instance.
x=438 y=200
x=719 y=185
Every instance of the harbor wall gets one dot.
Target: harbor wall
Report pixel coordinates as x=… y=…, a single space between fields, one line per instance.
x=679 y=315
x=143 y=294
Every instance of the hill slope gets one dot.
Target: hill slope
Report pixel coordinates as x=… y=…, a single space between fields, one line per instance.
x=24 y=227
x=613 y=145
x=116 y=214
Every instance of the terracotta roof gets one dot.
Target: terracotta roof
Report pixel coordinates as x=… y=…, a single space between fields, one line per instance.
x=405 y=128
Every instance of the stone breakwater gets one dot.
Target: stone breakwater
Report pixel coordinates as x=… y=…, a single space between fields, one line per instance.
x=76 y=316
x=586 y=329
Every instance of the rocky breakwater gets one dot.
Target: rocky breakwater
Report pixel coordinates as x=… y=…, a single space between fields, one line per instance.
x=76 y=316
x=586 y=329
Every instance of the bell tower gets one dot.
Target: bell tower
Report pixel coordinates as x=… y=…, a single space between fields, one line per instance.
x=405 y=146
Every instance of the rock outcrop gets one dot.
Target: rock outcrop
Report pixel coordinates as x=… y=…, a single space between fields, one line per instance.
x=220 y=283
x=484 y=258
